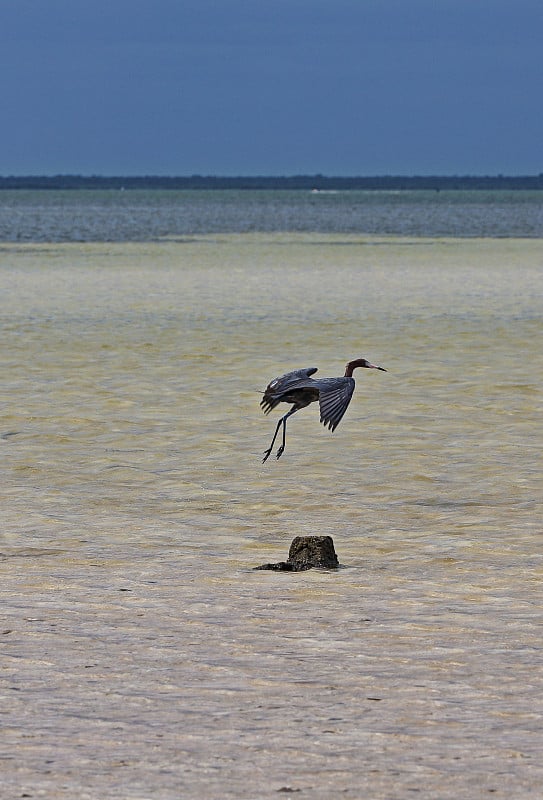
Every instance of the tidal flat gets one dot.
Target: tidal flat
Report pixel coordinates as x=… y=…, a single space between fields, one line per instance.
x=142 y=656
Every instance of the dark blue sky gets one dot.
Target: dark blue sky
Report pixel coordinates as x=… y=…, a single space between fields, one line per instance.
x=250 y=87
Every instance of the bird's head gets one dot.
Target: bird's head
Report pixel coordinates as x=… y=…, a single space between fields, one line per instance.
x=360 y=362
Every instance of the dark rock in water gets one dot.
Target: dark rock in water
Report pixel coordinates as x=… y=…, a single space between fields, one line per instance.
x=307 y=552
x=313 y=551
x=283 y=566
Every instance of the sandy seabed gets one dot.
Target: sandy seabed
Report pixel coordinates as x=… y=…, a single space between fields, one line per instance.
x=141 y=656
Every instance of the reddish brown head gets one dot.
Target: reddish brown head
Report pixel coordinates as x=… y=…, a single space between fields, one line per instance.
x=360 y=362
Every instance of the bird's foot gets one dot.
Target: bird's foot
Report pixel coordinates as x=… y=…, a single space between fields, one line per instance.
x=280 y=452
x=266 y=455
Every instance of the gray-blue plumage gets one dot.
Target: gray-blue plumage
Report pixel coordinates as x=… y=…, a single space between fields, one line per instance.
x=300 y=389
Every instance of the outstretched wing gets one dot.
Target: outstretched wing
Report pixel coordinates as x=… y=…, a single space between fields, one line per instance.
x=285 y=384
x=334 y=397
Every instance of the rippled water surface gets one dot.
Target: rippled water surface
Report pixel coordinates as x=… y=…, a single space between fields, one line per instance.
x=92 y=215
x=142 y=657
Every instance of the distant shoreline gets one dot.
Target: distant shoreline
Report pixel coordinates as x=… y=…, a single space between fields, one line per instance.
x=295 y=182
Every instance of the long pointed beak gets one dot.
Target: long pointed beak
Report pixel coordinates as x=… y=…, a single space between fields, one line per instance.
x=374 y=366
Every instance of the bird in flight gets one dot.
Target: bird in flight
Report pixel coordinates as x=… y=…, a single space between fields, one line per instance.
x=300 y=389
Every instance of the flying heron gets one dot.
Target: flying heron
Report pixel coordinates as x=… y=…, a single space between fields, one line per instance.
x=300 y=389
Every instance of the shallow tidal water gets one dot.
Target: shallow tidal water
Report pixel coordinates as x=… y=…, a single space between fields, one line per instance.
x=141 y=655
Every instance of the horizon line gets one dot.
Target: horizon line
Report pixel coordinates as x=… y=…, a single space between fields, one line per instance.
x=272 y=176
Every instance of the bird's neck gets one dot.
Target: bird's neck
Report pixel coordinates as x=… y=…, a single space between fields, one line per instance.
x=350 y=368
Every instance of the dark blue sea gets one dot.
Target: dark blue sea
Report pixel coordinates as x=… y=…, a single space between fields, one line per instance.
x=142 y=215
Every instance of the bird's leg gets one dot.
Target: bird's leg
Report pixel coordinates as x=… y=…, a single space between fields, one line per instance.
x=270 y=448
x=283 y=422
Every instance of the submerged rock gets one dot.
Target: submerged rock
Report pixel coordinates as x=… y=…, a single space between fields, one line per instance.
x=307 y=552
